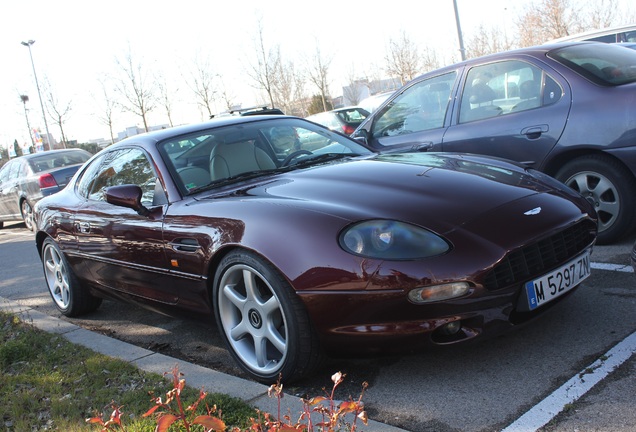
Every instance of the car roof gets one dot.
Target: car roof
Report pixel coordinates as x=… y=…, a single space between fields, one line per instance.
x=595 y=33
x=534 y=51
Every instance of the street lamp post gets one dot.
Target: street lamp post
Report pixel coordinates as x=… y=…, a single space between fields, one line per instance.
x=459 y=32
x=25 y=99
x=37 y=85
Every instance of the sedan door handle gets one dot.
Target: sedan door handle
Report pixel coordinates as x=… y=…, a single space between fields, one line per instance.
x=83 y=227
x=534 y=132
x=422 y=147
x=185 y=245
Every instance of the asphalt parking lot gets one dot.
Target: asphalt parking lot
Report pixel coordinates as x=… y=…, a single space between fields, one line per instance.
x=572 y=370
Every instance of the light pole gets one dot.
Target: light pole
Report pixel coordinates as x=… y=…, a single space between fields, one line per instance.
x=37 y=85
x=459 y=32
x=25 y=99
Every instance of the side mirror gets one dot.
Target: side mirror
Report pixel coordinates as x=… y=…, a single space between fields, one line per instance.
x=128 y=196
x=362 y=135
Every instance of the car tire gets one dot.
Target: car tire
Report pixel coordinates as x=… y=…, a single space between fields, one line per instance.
x=610 y=187
x=27 y=214
x=68 y=295
x=263 y=323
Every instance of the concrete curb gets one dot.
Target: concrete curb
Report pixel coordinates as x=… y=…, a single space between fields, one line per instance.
x=196 y=376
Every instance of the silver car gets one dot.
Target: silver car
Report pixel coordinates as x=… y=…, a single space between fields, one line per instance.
x=25 y=180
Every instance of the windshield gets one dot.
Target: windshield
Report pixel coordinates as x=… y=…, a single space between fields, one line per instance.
x=217 y=156
x=603 y=64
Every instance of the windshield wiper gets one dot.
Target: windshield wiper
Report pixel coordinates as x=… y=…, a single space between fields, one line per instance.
x=220 y=182
x=316 y=159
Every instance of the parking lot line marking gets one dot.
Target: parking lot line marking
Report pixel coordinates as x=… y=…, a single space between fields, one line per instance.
x=612 y=267
x=577 y=386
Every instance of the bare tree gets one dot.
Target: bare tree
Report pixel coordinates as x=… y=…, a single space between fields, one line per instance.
x=403 y=59
x=547 y=20
x=202 y=84
x=487 y=41
x=136 y=87
x=57 y=110
x=602 y=14
x=108 y=105
x=353 y=92
x=227 y=97
x=317 y=73
x=289 y=80
x=267 y=65
x=301 y=102
x=166 y=95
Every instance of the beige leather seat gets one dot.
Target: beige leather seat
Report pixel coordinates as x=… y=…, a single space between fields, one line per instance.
x=227 y=160
x=193 y=176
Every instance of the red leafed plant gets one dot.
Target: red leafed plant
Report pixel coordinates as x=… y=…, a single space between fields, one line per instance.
x=331 y=414
x=167 y=413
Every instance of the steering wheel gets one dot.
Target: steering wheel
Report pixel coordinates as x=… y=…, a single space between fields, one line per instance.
x=294 y=155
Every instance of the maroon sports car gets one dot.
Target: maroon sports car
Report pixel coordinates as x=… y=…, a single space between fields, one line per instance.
x=300 y=241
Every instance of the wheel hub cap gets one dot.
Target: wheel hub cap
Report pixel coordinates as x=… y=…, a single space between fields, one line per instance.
x=255 y=318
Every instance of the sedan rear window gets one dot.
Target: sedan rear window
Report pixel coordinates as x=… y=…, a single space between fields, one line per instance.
x=47 y=161
x=603 y=64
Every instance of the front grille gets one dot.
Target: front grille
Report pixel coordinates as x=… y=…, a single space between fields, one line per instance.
x=540 y=257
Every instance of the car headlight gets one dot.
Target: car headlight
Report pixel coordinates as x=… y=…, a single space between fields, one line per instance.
x=391 y=240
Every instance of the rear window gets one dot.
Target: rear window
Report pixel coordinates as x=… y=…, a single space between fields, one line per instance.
x=353 y=115
x=603 y=64
x=49 y=161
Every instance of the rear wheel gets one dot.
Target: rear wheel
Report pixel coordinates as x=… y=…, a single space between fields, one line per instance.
x=610 y=188
x=262 y=321
x=70 y=298
x=27 y=214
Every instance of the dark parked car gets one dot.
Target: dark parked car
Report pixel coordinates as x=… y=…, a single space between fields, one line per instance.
x=343 y=120
x=634 y=257
x=566 y=110
x=325 y=249
x=26 y=179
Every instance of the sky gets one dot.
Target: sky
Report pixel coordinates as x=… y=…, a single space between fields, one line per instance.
x=78 y=43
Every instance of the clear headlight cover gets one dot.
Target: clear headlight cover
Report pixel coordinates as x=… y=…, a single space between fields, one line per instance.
x=391 y=240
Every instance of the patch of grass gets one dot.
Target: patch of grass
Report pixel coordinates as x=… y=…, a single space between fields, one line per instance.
x=47 y=383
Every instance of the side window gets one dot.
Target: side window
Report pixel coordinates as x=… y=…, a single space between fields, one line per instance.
x=23 y=170
x=4 y=172
x=15 y=170
x=125 y=166
x=87 y=179
x=421 y=107
x=502 y=88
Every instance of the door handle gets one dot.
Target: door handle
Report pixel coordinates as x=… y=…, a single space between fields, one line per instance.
x=83 y=227
x=534 y=132
x=422 y=147
x=185 y=245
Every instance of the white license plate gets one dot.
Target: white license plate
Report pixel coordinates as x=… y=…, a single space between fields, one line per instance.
x=559 y=281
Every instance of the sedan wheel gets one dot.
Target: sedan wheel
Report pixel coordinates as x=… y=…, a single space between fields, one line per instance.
x=263 y=323
x=68 y=295
x=27 y=214
x=609 y=187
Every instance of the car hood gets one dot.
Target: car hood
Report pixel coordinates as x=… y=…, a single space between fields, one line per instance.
x=440 y=192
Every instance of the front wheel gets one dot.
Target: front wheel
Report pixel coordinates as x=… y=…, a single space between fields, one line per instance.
x=69 y=297
x=27 y=214
x=262 y=321
x=610 y=188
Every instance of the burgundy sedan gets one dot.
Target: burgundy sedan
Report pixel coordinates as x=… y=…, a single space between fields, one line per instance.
x=312 y=244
